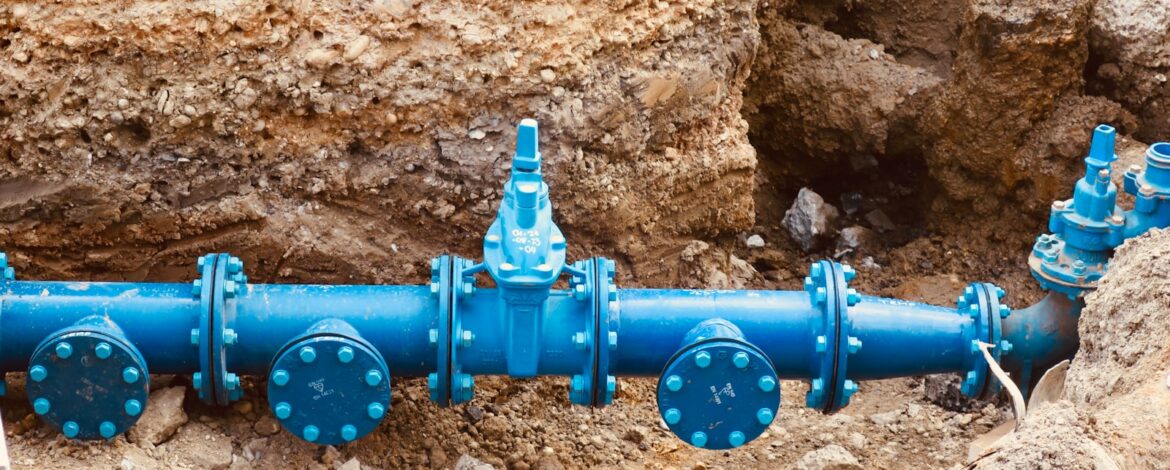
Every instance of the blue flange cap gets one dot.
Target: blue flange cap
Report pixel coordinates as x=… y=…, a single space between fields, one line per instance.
x=338 y=394
x=93 y=357
x=718 y=393
x=1101 y=149
x=527 y=156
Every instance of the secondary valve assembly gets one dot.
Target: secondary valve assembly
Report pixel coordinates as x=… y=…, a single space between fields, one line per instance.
x=329 y=351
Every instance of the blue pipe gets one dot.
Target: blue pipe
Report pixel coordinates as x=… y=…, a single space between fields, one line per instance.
x=328 y=352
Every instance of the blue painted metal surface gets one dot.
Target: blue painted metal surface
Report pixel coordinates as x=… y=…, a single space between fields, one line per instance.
x=718 y=391
x=88 y=380
x=329 y=385
x=328 y=351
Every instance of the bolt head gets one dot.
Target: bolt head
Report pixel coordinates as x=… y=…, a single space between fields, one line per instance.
x=467 y=338
x=848 y=272
x=578 y=383
x=131 y=374
x=741 y=360
x=310 y=433
x=229 y=337
x=38 y=373
x=283 y=410
x=766 y=383
x=195 y=336
x=348 y=432
x=854 y=344
x=107 y=429
x=373 y=378
x=672 y=416
x=375 y=411
x=41 y=406
x=345 y=354
x=132 y=407
x=280 y=377
x=765 y=416
x=70 y=429
x=699 y=439
x=308 y=354
x=736 y=439
x=579 y=340
x=674 y=383
x=64 y=350
x=433 y=337
x=103 y=350
x=822 y=344
x=703 y=359
x=197 y=381
x=612 y=339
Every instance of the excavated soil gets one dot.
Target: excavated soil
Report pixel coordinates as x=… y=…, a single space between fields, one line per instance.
x=337 y=141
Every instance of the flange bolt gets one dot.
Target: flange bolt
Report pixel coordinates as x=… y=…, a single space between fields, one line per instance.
x=674 y=383
x=703 y=359
x=767 y=383
x=311 y=433
x=107 y=429
x=41 y=406
x=376 y=411
x=373 y=378
x=130 y=375
x=736 y=438
x=699 y=439
x=672 y=416
x=308 y=354
x=280 y=377
x=103 y=350
x=740 y=359
x=133 y=407
x=345 y=354
x=765 y=416
x=64 y=350
x=283 y=410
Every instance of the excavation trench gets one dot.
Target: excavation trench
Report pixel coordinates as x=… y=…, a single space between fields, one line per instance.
x=332 y=143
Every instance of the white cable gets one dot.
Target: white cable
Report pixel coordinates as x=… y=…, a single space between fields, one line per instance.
x=1012 y=389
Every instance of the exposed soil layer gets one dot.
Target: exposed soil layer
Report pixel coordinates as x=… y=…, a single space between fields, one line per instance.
x=341 y=142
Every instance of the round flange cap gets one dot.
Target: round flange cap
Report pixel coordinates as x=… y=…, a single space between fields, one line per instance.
x=719 y=394
x=329 y=389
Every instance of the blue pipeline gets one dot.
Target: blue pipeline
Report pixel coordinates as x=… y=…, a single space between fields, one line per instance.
x=328 y=352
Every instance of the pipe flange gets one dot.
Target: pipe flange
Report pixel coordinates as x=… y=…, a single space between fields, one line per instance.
x=88 y=381
x=982 y=302
x=327 y=387
x=204 y=290
x=719 y=393
x=222 y=279
x=828 y=287
x=463 y=287
x=439 y=381
x=583 y=288
x=604 y=326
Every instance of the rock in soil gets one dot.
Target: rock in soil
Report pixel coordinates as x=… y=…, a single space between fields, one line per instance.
x=830 y=457
x=467 y=462
x=810 y=219
x=163 y=416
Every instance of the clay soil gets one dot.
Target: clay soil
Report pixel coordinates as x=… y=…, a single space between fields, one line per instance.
x=349 y=142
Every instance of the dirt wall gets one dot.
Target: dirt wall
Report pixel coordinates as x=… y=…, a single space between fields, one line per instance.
x=339 y=141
